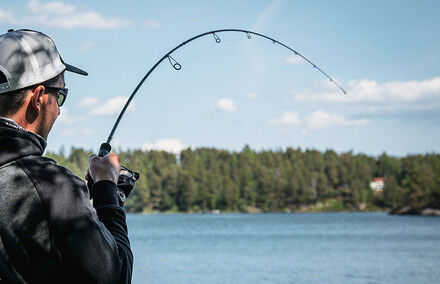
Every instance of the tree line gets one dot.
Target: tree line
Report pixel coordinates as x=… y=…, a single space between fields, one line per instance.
x=206 y=179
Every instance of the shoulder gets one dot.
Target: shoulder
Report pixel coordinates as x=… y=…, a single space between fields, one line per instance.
x=57 y=185
x=46 y=170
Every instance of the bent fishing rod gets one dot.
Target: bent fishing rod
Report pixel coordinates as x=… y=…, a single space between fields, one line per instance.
x=106 y=147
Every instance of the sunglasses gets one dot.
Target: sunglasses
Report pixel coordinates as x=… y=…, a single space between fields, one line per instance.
x=61 y=93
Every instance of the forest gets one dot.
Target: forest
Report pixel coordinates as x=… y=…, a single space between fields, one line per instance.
x=290 y=180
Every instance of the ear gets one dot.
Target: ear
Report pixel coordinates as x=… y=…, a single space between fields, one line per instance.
x=37 y=98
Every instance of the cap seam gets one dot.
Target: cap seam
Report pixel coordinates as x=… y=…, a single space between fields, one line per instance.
x=33 y=59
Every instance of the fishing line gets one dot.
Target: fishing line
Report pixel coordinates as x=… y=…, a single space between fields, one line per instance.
x=199 y=55
x=383 y=127
x=159 y=117
x=206 y=50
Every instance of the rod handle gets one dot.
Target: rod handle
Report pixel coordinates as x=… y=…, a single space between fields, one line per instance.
x=104 y=150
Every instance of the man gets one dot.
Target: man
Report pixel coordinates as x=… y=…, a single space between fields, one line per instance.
x=49 y=230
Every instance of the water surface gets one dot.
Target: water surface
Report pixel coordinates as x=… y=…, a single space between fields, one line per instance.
x=285 y=248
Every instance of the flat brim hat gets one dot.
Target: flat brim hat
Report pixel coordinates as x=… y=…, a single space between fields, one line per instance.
x=28 y=58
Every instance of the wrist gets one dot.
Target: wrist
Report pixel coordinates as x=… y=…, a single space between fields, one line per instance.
x=105 y=177
x=104 y=192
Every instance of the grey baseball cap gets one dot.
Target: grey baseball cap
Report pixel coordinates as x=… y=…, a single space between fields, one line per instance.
x=28 y=58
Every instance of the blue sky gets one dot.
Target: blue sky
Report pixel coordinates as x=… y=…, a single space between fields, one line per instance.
x=384 y=53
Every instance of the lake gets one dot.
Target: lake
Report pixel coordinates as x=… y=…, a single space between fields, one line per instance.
x=285 y=248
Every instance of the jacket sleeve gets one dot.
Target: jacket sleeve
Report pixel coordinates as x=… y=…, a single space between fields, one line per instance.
x=111 y=214
x=91 y=242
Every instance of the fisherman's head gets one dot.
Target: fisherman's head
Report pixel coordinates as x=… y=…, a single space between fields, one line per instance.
x=32 y=85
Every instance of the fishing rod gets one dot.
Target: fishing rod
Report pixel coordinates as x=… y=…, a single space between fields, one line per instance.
x=127 y=176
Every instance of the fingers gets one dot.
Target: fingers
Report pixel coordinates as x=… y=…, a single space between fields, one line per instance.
x=104 y=168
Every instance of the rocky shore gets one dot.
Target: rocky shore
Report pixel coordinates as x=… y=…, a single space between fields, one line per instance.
x=409 y=210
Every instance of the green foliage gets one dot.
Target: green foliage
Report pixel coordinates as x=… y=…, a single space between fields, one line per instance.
x=207 y=179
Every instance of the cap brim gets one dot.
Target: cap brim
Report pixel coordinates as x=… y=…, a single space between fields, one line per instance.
x=75 y=69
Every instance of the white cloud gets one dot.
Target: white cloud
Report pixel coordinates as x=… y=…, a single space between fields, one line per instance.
x=111 y=107
x=288 y=118
x=171 y=145
x=151 y=24
x=314 y=121
x=393 y=100
x=7 y=17
x=409 y=93
x=320 y=119
x=295 y=59
x=252 y=95
x=57 y=7
x=66 y=119
x=60 y=15
x=88 y=102
x=88 y=45
x=226 y=105
x=267 y=15
x=89 y=20
x=75 y=132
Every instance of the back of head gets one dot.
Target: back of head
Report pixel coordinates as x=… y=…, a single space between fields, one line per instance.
x=28 y=58
x=12 y=101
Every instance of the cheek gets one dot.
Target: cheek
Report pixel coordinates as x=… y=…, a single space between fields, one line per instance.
x=53 y=109
x=54 y=105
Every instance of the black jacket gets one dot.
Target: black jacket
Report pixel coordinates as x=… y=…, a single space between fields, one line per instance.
x=49 y=230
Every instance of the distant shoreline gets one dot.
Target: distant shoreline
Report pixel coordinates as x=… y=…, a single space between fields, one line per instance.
x=402 y=212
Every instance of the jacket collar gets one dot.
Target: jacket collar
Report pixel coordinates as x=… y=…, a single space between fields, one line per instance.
x=16 y=142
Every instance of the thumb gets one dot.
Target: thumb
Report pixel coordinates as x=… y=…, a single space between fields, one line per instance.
x=87 y=177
